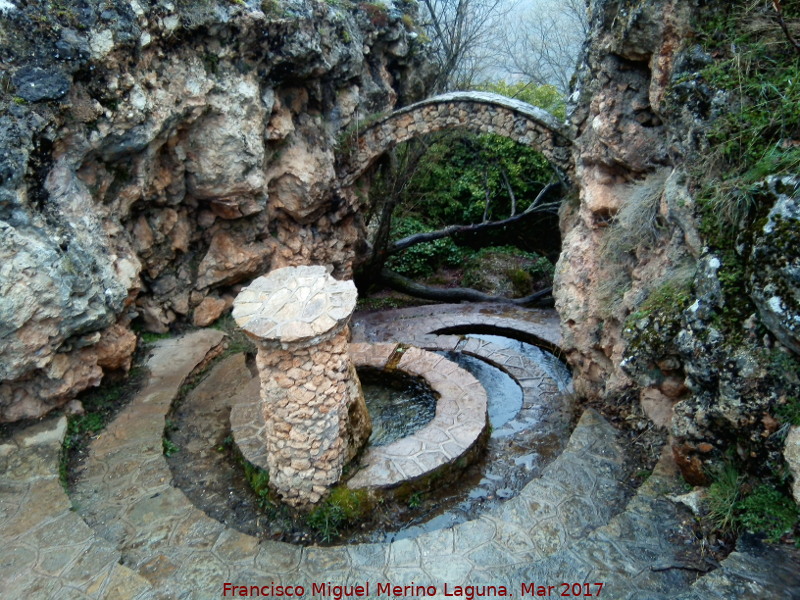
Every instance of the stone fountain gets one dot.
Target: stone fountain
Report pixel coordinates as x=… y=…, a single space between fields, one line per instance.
x=310 y=396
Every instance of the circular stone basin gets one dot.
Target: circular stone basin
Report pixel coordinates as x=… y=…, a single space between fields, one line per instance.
x=398 y=404
x=458 y=426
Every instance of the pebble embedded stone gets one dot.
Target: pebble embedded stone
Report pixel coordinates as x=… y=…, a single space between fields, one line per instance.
x=295 y=305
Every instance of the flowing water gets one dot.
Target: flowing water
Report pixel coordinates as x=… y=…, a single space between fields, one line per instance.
x=549 y=363
x=504 y=394
x=526 y=436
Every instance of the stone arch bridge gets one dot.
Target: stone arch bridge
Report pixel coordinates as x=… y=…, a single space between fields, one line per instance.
x=481 y=112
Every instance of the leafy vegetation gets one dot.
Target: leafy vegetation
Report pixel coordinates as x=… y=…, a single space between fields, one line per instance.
x=258 y=479
x=342 y=507
x=757 y=135
x=523 y=270
x=460 y=171
x=735 y=506
x=544 y=96
x=767 y=510
x=670 y=298
x=789 y=411
x=169 y=447
x=422 y=260
x=757 y=69
x=460 y=178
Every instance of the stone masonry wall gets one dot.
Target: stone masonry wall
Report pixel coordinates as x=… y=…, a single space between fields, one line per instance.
x=481 y=112
x=302 y=392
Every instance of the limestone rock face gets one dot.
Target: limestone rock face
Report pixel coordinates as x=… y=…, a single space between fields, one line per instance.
x=651 y=323
x=160 y=156
x=776 y=260
x=792 y=455
x=632 y=222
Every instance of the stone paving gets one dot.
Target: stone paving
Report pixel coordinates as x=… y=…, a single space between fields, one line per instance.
x=295 y=305
x=420 y=326
x=458 y=424
x=132 y=535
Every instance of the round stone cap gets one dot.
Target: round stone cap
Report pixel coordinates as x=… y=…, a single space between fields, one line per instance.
x=295 y=305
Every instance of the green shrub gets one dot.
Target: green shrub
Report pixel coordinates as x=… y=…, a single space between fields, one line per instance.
x=257 y=477
x=422 y=260
x=766 y=510
x=169 y=447
x=342 y=507
x=489 y=268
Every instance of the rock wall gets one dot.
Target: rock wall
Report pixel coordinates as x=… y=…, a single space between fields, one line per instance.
x=656 y=317
x=632 y=223
x=156 y=154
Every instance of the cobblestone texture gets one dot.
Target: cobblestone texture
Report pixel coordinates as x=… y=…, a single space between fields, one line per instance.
x=311 y=402
x=571 y=524
x=482 y=112
x=458 y=424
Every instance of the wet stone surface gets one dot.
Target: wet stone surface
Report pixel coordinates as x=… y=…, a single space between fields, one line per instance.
x=126 y=531
x=516 y=453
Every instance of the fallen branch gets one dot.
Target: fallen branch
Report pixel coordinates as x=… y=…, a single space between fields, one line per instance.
x=430 y=236
x=412 y=288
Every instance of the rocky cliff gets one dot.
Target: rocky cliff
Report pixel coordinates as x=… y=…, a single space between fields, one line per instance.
x=156 y=153
x=678 y=282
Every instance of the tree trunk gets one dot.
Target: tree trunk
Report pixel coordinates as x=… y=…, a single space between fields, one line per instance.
x=412 y=288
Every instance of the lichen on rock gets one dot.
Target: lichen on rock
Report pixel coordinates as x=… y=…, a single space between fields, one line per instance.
x=775 y=263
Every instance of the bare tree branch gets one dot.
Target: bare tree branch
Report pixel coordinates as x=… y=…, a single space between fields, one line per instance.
x=544 y=46
x=487 y=194
x=511 y=195
x=776 y=4
x=419 y=238
x=461 y=32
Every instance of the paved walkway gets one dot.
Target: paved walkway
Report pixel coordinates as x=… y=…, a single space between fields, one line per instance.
x=130 y=534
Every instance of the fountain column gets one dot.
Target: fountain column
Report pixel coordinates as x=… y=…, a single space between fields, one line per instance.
x=311 y=399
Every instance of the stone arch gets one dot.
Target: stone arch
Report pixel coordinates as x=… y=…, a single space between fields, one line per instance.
x=481 y=112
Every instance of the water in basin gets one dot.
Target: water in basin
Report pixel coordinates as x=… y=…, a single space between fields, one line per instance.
x=398 y=404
